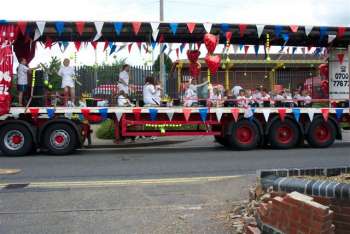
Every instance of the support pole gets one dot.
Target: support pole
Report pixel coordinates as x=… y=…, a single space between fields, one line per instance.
x=161 y=55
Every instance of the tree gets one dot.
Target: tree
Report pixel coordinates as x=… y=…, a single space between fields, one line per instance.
x=51 y=69
x=167 y=62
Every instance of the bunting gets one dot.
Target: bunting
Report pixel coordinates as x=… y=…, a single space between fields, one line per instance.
x=170 y=114
x=59 y=27
x=341 y=32
x=282 y=113
x=48 y=43
x=22 y=25
x=80 y=27
x=256 y=49
x=311 y=113
x=136 y=27
x=191 y=27
x=34 y=112
x=113 y=49
x=69 y=113
x=339 y=113
x=203 y=112
x=235 y=113
x=187 y=113
x=98 y=26
x=173 y=27
x=77 y=45
x=331 y=38
x=118 y=27
x=155 y=30
x=294 y=28
x=246 y=48
x=119 y=115
x=103 y=112
x=278 y=31
x=224 y=28
x=259 y=29
x=266 y=113
x=153 y=112
x=94 y=44
x=207 y=27
x=323 y=32
x=242 y=29
x=308 y=29
x=325 y=113
x=218 y=114
x=137 y=112
x=41 y=26
x=296 y=113
x=129 y=47
x=86 y=113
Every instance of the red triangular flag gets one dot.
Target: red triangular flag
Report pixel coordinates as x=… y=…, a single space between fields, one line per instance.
x=282 y=113
x=94 y=44
x=34 y=112
x=341 y=32
x=86 y=113
x=187 y=113
x=77 y=45
x=228 y=36
x=161 y=38
x=80 y=27
x=137 y=112
x=340 y=58
x=309 y=48
x=22 y=25
x=27 y=39
x=191 y=27
x=48 y=43
x=294 y=28
x=129 y=47
x=136 y=27
x=235 y=113
x=325 y=113
x=105 y=46
x=246 y=48
x=242 y=28
x=177 y=53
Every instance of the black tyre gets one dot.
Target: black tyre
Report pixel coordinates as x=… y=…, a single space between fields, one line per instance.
x=245 y=135
x=221 y=140
x=60 y=139
x=321 y=133
x=284 y=134
x=15 y=140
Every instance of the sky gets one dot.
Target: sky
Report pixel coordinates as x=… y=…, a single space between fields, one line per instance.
x=281 y=12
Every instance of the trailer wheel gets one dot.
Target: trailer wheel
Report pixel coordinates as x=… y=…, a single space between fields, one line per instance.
x=60 y=139
x=284 y=134
x=245 y=135
x=15 y=140
x=221 y=140
x=321 y=134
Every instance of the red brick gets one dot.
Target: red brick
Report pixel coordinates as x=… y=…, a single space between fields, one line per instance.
x=320 y=226
x=324 y=218
x=252 y=230
x=303 y=229
x=323 y=200
x=322 y=211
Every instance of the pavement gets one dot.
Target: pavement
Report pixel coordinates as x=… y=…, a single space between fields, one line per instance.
x=184 y=187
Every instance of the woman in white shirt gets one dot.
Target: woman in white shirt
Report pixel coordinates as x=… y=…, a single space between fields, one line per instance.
x=123 y=81
x=67 y=73
x=150 y=92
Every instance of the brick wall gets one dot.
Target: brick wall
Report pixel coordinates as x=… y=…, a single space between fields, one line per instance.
x=295 y=213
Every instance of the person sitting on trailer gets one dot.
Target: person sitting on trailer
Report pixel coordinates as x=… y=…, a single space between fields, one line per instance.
x=279 y=98
x=288 y=99
x=150 y=92
x=123 y=81
x=235 y=90
x=257 y=97
x=306 y=99
x=123 y=99
x=265 y=98
x=67 y=73
x=242 y=99
x=249 y=97
x=215 y=97
x=22 y=79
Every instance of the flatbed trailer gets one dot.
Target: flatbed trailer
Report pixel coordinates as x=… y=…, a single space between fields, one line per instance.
x=61 y=130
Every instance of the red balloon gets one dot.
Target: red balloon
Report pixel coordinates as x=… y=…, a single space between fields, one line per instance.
x=213 y=63
x=193 y=55
x=195 y=69
x=210 y=42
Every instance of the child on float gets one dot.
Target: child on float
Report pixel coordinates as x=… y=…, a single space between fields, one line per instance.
x=265 y=98
x=306 y=98
x=242 y=100
x=288 y=99
x=123 y=99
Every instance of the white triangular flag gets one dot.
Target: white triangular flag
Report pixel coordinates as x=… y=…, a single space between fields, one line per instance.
x=207 y=27
x=248 y=113
x=98 y=26
x=15 y=113
x=41 y=26
x=119 y=115
x=311 y=113
x=170 y=114
x=69 y=113
x=218 y=114
x=235 y=49
x=266 y=113
x=331 y=38
x=308 y=29
x=154 y=26
x=36 y=35
x=260 y=29
x=155 y=34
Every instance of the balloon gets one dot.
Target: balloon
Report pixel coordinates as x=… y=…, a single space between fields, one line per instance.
x=210 y=42
x=195 y=69
x=324 y=71
x=193 y=55
x=213 y=63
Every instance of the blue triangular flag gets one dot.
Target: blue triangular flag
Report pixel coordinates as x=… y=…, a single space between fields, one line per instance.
x=240 y=46
x=294 y=50
x=153 y=44
x=278 y=30
x=59 y=27
x=296 y=113
x=339 y=113
x=114 y=47
x=118 y=27
x=50 y=112
x=256 y=48
x=323 y=32
x=251 y=117
x=103 y=112
x=110 y=44
x=285 y=37
x=282 y=48
x=164 y=48
x=224 y=28
x=182 y=46
x=173 y=27
x=153 y=113
x=203 y=112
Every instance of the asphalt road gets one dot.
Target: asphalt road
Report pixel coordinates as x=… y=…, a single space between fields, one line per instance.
x=179 y=188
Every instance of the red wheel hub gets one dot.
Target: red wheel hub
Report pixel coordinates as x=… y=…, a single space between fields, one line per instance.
x=322 y=133
x=244 y=134
x=59 y=139
x=16 y=139
x=284 y=134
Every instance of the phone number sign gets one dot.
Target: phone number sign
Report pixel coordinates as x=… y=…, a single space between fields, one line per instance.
x=339 y=77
